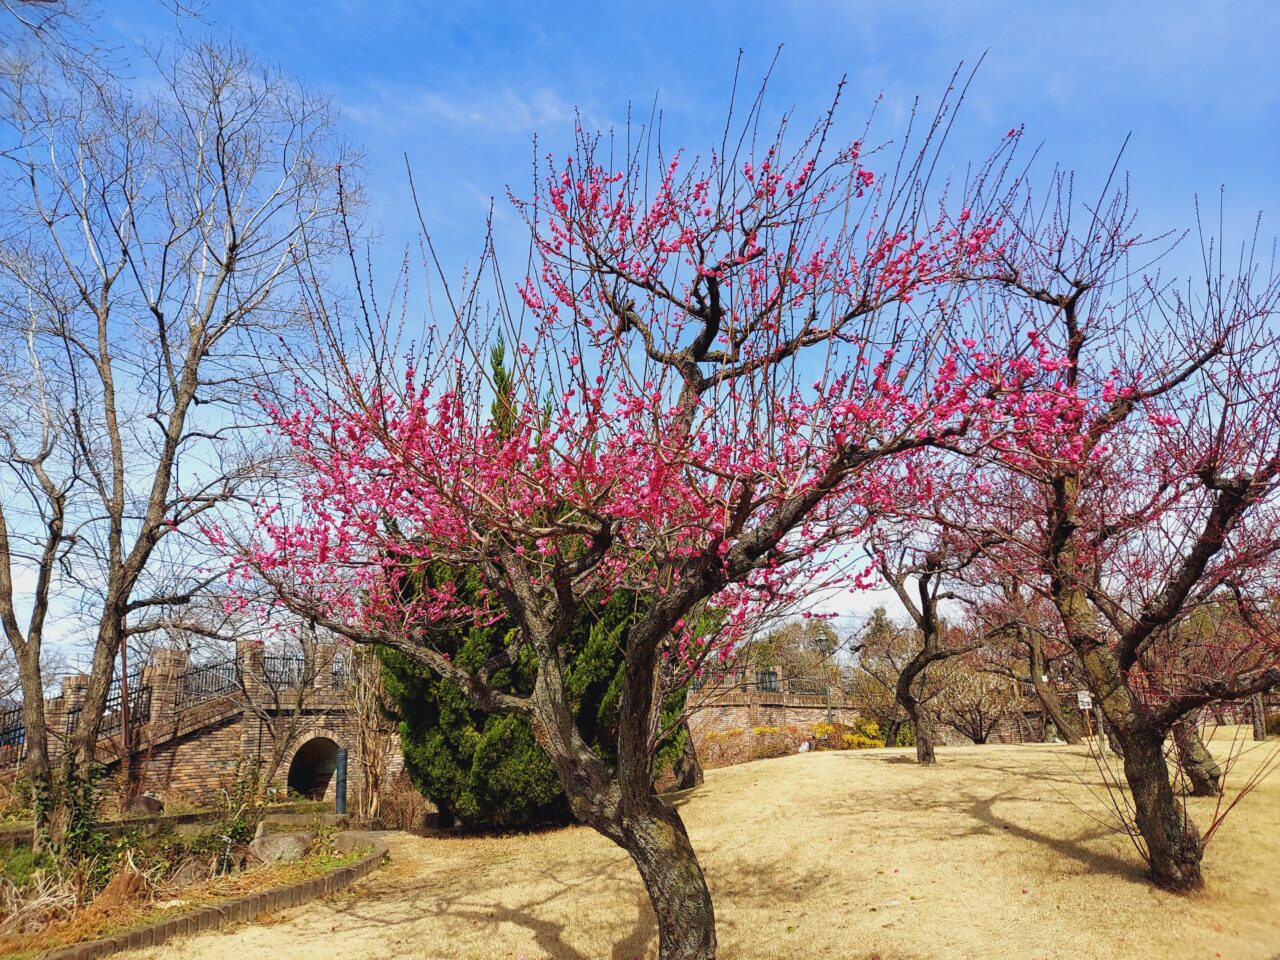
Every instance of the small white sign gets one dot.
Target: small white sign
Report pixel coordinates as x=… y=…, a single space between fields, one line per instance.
x=1084 y=700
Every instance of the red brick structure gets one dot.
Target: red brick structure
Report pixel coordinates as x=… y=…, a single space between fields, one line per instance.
x=193 y=725
x=743 y=699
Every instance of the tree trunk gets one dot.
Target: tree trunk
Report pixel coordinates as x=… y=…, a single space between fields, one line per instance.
x=891 y=733
x=658 y=843
x=1107 y=736
x=623 y=806
x=1258 y=709
x=652 y=833
x=37 y=768
x=687 y=769
x=1174 y=848
x=924 y=732
x=1203 y=774
x=1048 y=697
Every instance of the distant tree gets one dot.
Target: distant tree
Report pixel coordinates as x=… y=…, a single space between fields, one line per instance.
x=972 y=700
x=1021 y=639
x=884 y=648
x=1139 y=483
x=801 y=649
x=922 y=565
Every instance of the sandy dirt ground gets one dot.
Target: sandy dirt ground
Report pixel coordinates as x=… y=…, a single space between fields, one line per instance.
x=993 y=854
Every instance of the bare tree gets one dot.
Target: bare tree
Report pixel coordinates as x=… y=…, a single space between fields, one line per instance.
x=1022 y=644
x=149 y=247
x=973 y=701
x=281 y=685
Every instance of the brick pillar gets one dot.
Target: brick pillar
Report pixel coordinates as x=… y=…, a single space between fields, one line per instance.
x=75 y=689
x=165 y=674
x=249 y=664
x=324 y=654
x=251 y=667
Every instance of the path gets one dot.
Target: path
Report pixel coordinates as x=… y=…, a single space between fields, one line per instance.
x=993 y=854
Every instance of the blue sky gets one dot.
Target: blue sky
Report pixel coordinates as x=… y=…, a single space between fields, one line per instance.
x=462 y=87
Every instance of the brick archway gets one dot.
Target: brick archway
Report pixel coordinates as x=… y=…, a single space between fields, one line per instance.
x=311 y=766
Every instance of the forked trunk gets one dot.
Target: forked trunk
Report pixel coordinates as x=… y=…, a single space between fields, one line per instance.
x=658 y=843
x=924 y=733
x=1173 y=843
x=1204 y=776
x=623 y=807
x=891 y=733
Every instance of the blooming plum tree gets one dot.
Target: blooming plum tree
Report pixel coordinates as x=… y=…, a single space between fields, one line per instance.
x=719 y=363
x=1138 y=486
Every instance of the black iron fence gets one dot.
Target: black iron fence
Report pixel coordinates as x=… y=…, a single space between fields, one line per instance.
x=283 y=671
x=810 y=686
x=342 y=673
x=112 y=714
x=13 y=737
x=204 y=681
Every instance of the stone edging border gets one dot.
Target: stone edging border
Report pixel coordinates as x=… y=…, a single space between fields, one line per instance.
x=19 y=836
x=219 y=915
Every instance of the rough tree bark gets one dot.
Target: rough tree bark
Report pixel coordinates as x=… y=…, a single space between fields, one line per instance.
x=1173 y=845
x=921 y=719
x=687 y=769
x=1174 y=848
x=1048 y=697
x=1204 y=776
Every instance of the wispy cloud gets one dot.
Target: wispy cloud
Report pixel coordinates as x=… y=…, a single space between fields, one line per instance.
x=502 y=111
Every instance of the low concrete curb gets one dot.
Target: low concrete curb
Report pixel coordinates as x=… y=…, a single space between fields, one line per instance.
x=225 y=914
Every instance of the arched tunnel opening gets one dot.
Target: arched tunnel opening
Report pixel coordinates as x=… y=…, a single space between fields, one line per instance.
x=313 y=767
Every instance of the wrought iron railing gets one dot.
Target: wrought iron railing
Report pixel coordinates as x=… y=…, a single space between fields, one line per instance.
x=286 y=671
x=139 y=707
x=810 y=686
x=13 y=737
x=204 y=681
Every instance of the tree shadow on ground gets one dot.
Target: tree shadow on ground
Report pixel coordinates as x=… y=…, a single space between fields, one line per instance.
x=458 y=903
x=979 y=807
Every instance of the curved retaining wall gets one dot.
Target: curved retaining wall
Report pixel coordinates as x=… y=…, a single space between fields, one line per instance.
x=225 y=914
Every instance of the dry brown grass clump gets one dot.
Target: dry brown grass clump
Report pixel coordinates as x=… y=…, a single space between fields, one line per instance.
x=47 y=916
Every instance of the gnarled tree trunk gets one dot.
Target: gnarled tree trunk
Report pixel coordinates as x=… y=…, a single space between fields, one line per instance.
x=891 y=733
x=1047 y=696
x=923 y=723
x=1174 y=848
x=687 y=769
x=1203 y=774
x=656 y=839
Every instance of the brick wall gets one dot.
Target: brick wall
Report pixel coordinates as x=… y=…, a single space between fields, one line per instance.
x=190 y=747
x=719 y=709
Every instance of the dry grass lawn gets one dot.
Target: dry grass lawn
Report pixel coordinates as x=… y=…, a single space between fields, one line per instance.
x=993 y=854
